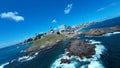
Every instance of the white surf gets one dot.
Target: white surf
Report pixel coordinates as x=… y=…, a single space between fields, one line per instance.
x=93 y=62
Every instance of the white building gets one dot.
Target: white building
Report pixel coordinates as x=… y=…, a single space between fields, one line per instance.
x=62 y=28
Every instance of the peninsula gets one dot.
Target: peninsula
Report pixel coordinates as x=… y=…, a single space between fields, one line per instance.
x=75 y=47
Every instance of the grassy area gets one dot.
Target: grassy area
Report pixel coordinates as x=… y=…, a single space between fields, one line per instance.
x=49 y=38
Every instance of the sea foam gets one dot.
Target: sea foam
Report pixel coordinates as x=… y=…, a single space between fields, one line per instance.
x=93 y=62
x=109 y=34
x=2 y=66
x=57 y=64
x=27 y=58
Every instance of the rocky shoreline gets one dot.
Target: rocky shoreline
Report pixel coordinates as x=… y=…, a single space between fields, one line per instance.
x=37 y=49
x=30 y=54
x=76 y=47
x=31 y=51
x=80 y=48
x=102 y=31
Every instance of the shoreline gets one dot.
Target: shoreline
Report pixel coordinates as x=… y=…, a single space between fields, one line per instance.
x=69 y=36
x=35 y=52
x=48 y=46
x=44 y=48
x=101 y=31
x=28 y=57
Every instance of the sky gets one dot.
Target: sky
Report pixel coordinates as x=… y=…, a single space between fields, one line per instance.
x=21 y=19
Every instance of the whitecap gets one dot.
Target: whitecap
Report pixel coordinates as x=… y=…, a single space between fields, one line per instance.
x=94 y=42
x=36 y=53
x=94 y=62
x=25 y=58
x=2 y=66
x=57 y=64
x=109 y=34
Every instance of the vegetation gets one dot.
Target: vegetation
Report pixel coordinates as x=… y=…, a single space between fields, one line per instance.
x=28 y=40
x=38 y=36
x=34 y=39
x=49 y=38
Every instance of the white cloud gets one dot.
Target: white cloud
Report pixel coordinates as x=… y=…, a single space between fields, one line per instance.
x=12 y=15
x=68 y=8
x=54 y=21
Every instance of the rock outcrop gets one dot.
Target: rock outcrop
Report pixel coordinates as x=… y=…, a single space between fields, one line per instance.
x=101 y=31
x=80 y=48
x=65 y=61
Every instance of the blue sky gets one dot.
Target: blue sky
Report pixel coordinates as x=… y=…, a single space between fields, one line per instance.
x=21 y=19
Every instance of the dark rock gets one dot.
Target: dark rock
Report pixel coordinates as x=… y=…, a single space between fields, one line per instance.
x=101 y=31
x=81 y=48
x=65 y=61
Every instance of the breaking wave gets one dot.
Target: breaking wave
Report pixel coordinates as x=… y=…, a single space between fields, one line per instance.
x=2 y=66
x=27 y=58
x=109 y=34
x=77 y=62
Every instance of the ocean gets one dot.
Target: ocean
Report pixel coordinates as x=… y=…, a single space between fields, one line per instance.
x=107 y=53
x=12 y=52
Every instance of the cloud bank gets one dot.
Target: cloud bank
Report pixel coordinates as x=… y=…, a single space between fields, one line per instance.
x=12 y=15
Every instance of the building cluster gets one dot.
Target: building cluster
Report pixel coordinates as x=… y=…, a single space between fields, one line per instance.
x=63 y=29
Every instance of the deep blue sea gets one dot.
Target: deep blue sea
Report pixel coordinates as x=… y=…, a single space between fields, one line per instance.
x=106 y=23
x=12 y=52
x=107 y=53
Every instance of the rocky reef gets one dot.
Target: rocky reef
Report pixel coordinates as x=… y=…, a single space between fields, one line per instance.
x=65 y=61
x=101 y=31
x=79 y=48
